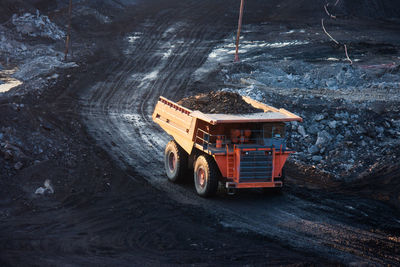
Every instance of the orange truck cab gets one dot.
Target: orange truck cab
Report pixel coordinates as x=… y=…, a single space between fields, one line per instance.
x=239 y=150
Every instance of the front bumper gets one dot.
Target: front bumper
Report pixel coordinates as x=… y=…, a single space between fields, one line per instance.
x=253 y=185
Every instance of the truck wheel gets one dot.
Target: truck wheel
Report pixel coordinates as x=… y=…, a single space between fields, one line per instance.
x=206 y=176
x=175 y=162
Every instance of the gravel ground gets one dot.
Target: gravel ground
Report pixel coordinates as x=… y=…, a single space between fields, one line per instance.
x=81 y=178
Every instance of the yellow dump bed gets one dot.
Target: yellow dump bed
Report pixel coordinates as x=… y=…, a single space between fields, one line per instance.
x=182 y=123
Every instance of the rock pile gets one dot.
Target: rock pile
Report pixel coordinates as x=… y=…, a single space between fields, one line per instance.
x=42 y=65
x=37 y=25
x=32 y=65
x=299 y=74
x=341 y=138
x=219 y=102
x=345 y=144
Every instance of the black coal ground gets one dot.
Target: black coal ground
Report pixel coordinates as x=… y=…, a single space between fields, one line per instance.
x=105 y=214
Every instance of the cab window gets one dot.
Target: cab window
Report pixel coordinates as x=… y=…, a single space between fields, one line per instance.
x=274 y=130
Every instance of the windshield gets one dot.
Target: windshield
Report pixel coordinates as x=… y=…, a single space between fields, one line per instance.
x=274 y=130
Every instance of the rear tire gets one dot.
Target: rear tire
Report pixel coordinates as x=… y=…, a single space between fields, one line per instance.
x=175 y=162
x=206 y=176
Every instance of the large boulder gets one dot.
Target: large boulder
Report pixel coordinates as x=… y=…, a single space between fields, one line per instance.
x=323 y=139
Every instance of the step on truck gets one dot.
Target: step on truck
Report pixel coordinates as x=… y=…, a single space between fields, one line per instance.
x=238 y=150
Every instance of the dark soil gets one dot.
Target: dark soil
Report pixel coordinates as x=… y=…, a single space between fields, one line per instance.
x=103 y=213
x=99 y=214
x=218 y=102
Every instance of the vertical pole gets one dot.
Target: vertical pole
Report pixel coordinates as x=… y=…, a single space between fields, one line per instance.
x=68 y=30
x=238 y=31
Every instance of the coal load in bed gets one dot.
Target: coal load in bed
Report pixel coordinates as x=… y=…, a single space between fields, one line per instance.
x=219 y=103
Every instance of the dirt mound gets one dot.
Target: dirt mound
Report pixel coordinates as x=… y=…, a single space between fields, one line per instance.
x=218 y=102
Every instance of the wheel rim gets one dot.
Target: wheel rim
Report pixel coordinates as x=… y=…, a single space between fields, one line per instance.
x=171 y=161
x=201 y=177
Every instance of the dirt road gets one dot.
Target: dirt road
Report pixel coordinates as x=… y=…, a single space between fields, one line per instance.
x=159 y=57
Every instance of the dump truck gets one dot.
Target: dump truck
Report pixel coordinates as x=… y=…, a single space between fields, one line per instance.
x=237 y=150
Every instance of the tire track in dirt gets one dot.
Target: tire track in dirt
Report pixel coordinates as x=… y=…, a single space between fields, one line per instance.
x=118 y=114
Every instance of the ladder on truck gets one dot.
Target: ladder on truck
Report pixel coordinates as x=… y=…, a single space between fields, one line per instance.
x=230 y=162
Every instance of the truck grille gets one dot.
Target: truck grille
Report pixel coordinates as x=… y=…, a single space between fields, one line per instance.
x=256 y=166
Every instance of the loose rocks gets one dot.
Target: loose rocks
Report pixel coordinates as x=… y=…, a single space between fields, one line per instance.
x=219 y=102
x=18 y=165
x=37 y=25
x=47 y=189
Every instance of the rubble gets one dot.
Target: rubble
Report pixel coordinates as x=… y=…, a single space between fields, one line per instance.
x=218 y=102
x=316 y=158
x=350 y=139
x=348 y=110
x=8 y=155
x=47 y=189
x=332 y=124
x=37 y=25
x=313 y=149
x=301 y=131
x=300 y=74
x=40 y=66
x=18 y=165
x=28 y=64
x=319 y=117
x=323 y=139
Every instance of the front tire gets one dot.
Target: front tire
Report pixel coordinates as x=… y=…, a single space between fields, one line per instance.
x=175 y=162
x=206 y=176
